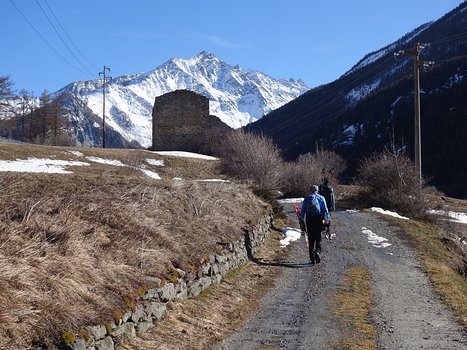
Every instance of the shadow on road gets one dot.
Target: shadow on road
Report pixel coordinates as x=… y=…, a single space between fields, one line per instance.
x=269 y=262
x=280 y=263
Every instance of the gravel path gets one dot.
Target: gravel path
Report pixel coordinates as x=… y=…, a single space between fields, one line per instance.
x=297 y=313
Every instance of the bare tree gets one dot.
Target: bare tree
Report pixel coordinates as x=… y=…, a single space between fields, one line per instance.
x=391 y=180
x=252 y=158
x=6 y=93
x=26 y=108
x=310 y=168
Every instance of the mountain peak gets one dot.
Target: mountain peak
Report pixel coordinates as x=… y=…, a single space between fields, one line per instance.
x=236 y=96
x=206 y=56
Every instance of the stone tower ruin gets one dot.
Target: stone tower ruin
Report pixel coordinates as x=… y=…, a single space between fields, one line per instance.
x=181 y=122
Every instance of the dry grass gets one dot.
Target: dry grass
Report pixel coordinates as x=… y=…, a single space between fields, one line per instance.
x=233 y=302
x=444 y=262
x=76 y=248
x=353 y=304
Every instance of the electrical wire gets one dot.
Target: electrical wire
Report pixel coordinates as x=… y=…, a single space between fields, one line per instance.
x=330 y=99
x=63 y=41
x=317 y=107
x=45 y=40
x=69 y=38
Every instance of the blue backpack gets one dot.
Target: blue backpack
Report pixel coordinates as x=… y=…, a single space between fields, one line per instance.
x=312 y=206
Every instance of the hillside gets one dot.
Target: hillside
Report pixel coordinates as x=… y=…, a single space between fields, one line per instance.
x=371 y=106
x=82 y=231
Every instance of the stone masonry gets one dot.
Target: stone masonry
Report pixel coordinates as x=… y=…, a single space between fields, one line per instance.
x=152 y=306
x=181 y=122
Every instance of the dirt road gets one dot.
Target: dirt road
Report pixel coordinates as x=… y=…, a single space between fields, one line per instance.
x=301 y=311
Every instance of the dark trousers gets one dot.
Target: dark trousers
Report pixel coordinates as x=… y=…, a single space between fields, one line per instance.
x=314 y=226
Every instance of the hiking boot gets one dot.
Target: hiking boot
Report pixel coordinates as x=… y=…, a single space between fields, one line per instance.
x=317 y=257
x=312 y=259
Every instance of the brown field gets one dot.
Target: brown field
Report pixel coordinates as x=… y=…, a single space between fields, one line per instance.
x=74 y=247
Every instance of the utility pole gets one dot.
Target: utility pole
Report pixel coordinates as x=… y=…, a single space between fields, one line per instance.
x=104 y=79
x=416 y=76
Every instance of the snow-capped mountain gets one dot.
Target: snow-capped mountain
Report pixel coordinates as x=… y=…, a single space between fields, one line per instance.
x=237 y=96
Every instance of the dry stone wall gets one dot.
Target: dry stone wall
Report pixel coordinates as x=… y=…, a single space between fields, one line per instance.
x=152 y=306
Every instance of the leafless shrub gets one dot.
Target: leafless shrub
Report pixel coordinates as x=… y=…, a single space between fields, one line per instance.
x=311 y=168
x=253 y=159
x=392 y=181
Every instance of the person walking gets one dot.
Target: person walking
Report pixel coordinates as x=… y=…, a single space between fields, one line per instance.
x=314 y=213
x=327 y=192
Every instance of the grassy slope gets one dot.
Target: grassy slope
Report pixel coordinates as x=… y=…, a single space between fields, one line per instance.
x=76 y=248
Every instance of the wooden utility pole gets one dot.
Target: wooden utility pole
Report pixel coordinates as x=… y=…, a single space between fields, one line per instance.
x=104 y=79
x=416 y=76
x=416 y=81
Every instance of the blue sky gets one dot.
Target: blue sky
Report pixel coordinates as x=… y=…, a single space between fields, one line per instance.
x=316 y=41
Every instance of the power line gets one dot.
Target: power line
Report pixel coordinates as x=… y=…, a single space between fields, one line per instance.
x=69 y=38
x=328 y=100
x=61 y=38
x=335 y=97
x=450 y=38
x=43 y=39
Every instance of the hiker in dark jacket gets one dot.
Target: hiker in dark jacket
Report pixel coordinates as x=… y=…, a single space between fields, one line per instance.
x=327 y=192
x=314 y=212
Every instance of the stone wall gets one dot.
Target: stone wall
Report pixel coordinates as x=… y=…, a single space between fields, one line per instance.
x=181 y=122
x=151 y=307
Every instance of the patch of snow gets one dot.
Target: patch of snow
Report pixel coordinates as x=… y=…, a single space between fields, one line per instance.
x=36 y=165
x=349 y=134
x=213 y=180
x=290 y=235
x=76 y=153
x=290 y=200
x=455 y=79
x=374 y=239
x=387 y=212
x=457 y=216
x=105 y=161
x=362 y=91
x=352 y=211
x=155 y=162
x=151 y=174
x=185 y=154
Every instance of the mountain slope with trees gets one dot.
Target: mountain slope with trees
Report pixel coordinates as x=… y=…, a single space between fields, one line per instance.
x=371 y=108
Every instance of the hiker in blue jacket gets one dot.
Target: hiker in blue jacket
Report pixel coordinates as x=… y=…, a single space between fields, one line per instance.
x=315 y=213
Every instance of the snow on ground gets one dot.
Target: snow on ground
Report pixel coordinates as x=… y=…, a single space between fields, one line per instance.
x=155 y=162
x=185 y=154
x=36 y=165
x=76 y=153
x=151 y=174
x=290 y=200
x=387 y=212
x=458 y=217
x=105 y=161
x=374 y=239
x=39 y=165
x=213 y=180
x=352 y=211
x=290 y=235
